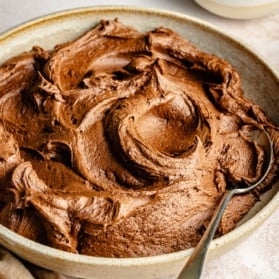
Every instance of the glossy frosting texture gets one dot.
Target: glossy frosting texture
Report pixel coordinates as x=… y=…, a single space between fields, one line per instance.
x=121 y=143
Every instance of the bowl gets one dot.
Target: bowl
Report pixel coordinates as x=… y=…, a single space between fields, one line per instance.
x=240 y=9
x=260 y=83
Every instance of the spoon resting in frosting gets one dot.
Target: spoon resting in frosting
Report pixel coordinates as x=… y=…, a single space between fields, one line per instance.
x=121 y=143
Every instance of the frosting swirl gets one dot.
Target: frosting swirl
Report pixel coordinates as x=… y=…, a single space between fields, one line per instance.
x=121 y=143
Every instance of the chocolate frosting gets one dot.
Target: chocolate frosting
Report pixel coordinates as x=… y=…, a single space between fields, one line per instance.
x=121 y=143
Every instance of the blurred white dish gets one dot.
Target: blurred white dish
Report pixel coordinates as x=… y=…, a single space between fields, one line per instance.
x=240 y=9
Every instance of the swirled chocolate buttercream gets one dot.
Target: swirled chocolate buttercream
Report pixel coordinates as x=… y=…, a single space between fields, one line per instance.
x=121 y=143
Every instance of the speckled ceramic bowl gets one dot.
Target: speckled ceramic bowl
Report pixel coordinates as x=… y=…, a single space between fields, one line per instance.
x=260 y=83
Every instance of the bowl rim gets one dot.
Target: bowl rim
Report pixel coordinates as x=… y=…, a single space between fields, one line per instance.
x=56 y=15
x=7 y=236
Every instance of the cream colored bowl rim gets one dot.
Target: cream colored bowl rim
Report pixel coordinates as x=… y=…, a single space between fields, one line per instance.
x=18 y=240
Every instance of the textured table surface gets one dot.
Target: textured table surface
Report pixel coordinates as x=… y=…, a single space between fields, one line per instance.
x=258 y=256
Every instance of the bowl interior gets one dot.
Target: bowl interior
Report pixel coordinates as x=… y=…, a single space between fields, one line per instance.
x=259 y=83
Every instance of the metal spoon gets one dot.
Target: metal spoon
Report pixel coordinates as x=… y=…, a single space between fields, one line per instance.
x=194 y=266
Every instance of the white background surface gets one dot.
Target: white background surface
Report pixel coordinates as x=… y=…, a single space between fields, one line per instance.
x=258 y=256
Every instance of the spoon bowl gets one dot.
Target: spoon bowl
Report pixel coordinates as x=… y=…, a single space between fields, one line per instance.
x=194 y=266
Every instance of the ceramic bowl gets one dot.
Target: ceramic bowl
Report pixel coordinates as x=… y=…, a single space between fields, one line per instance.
x=260 y=83
x=240 y=9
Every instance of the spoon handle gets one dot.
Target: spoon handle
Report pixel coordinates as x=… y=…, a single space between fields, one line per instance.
x=194 y=266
